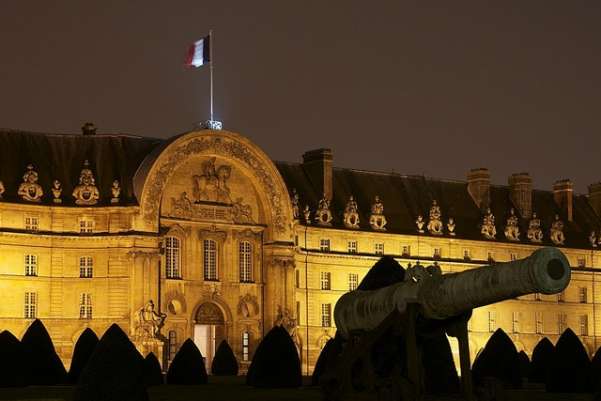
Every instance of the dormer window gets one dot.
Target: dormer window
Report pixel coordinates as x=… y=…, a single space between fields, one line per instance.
x=86 y=226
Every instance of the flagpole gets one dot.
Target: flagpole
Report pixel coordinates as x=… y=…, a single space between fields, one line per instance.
x=211 y=45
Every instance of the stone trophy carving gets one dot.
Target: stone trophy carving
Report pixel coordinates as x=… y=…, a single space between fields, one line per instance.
x=57 y=190
x=535 y=234
x=435 y=223
x=307 y=214
x=592 y=238
x=149 y=322
x=29 y=189
x=451 y=226
x=295 y=204
x=323 y=216
x=419 y=222
x=115 y=191
x=241 y=212
x=488 y=229
x=351 y=214
x=556 y=232
x=86 y=192
x=512 y=230
x=211 y=185
x=377 y=220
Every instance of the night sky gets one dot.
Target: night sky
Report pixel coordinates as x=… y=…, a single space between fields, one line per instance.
x=395 y=85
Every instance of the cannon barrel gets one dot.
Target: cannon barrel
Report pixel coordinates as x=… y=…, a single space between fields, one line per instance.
x=546 y=271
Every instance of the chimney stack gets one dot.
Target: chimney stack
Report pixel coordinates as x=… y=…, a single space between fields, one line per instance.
x=594 y=197
x=563 y=194
x=478 y=186
x=520 y=186
x=88 y=129
x=318 y=166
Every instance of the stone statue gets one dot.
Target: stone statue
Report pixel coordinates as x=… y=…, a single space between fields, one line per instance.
x=351 y=214
x=419 y=222
x=57 y=190
x=29 y=189
x=115 y=191
x=211 y=185
x=593 y=239
x=150 y=322
x=295 y=204
x=556 y=231
x=451 y=226
x=323 y=216
x=1 y=189
x=307 y=214
x=535 y=234
x=86 y=193
x=512 y=230
x=377 y=220
x=488 y=229
x=435 y=222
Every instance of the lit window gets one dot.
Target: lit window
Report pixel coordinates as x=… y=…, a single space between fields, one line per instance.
x=326 y=315
x=324 y=245
x=298 y=313
x=31 y=223
x=31 y=265
x=353 y=281
x=352 y=246
x=297 y=278
x=86 y=226
x=492 y=321
x=379 y=248
x=85 y=306
x=539 y=323
x=437 y=253
x=583 y=295
x=467 y=254
x=561 y=322
x=406 y=250
x=245 y=259
x=245 y=345
x=172 y=257
x=210 y=259
x=537 y=296
x=86 y=266
x=31 y=305
x=325 y=280
x=172 y=345
x=584 y=325
x=296 y=240
x=561 y=297
x=513 y=256
x=515 y=322
x=581 y=262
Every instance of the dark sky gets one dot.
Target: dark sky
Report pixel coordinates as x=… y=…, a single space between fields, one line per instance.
x=431 y=89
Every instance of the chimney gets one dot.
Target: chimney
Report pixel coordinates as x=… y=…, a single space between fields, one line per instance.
x=318 y=166
x=520 y=186
x=88 y=129
x=563 y=194
x=594 y=197
x=478 y=186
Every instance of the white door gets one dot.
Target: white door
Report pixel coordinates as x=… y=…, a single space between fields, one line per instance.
x=204 y=338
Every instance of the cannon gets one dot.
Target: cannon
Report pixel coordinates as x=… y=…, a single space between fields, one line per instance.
x=384 y=329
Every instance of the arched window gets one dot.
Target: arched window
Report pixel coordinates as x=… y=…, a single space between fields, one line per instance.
x=86 y=266
x=245 y=345
x=245 y=261
x=172 y=257
x=210 y=259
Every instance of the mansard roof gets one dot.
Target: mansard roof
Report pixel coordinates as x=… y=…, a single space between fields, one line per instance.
x=407 y=196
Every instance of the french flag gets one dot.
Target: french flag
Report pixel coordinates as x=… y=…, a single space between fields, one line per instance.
x=199 y=52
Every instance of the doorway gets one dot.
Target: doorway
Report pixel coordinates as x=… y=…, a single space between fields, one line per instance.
x=209 y=331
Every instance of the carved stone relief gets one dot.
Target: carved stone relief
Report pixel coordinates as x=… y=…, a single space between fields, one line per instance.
x=435 y=222
x=86 y=192
x=419 y=222
x=57 y=190
x=29 y=189
x=307 y=215
x=294 y=198
x=535 y=234
x=211 y=184
x=115 y=191
x=351 y=214
x=488 y=229
x=556 y=232
x=512 y=230
x=323 y=215
x=285 y=319
x=377 y=220
x=149 y=322
x=209 y=313
x=248 y=306
x=451 y=226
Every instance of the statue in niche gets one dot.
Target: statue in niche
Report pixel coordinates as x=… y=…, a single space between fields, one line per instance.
x=451 y=226
x=593 y=239
x=149 y=322
x=377 y=220
x=419 y=222
x=435 y=222
x=488 y=229
x=535 y=234
x=323 y=215
x=86 y=193
x=115 y=191
x=295 y=204
x=242 y=213
x=307 y=214
x=512 y=230
x=211 y=185
x=29 y=189
x=556 y=232
x=248 y=306
x=57 y=190
x=351 y=214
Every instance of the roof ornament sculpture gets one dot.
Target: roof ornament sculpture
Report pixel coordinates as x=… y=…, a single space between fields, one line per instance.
x=535 y=234
x=2 y=189
x=451 y=227
x=512 y=230
x=295 y=204
x=592 y=238
x=57 y=190
x=307 y=214
x=86 y=192
x=377 y=220
x=351 y=214
x=29 y=189
x=115 y=192
x=488 y=229
x=419 y=222
x=435 y=224
x=323 y=215
x=556 y=231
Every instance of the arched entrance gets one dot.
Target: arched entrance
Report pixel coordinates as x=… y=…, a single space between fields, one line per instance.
x=209 y=330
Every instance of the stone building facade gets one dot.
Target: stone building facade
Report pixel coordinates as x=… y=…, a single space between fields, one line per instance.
x=203 y=236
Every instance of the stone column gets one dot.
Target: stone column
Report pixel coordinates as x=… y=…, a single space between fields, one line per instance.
x=278 y=300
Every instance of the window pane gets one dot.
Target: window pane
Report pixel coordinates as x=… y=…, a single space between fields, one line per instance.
x=172 y=257
x=245 y=261
x=210 y=259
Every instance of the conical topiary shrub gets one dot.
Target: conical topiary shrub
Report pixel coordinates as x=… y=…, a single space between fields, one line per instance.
x=42 y=364
x=188 y=366
x=440 y=374
x=224 y=362
x=524 y=365
x=498 y=360
x=570 y=368
x=84 y=347
x=12 y=373
x=115 y=371
x=153 y=376
x=276 y=362
x=596 y=370
x=541 y=360
x=327 y=358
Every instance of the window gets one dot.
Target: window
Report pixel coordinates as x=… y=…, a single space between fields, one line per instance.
x=584 y=325
x=86 y=266
x=297 y=278
x=515 y=322
x=326 y=315
x=172 y=345
x=296 y=240
x=172 y=257
x=437 y=253
x=490 y=257
x=581 y=262
x=379 y=249
x=245 y=345
x=539 y=323
x=210 y=259
x=325 y=280
x=353 y=281
x=467 y=254
x=31 y=223
x=492 y=321
x=86 y=226
x=324 y=245
x=583 y=295
x=406 y=250
x=561 y=322
x=537 y=296
x=352 y=246
x=31 y=265
x=513 y=256
x=561 y=297
x=31 y=305
x=85 y=306
x=298 y=313
x=246 y=262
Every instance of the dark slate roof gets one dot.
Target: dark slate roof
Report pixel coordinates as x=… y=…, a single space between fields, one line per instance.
x=407 y=196
x=61 y=156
